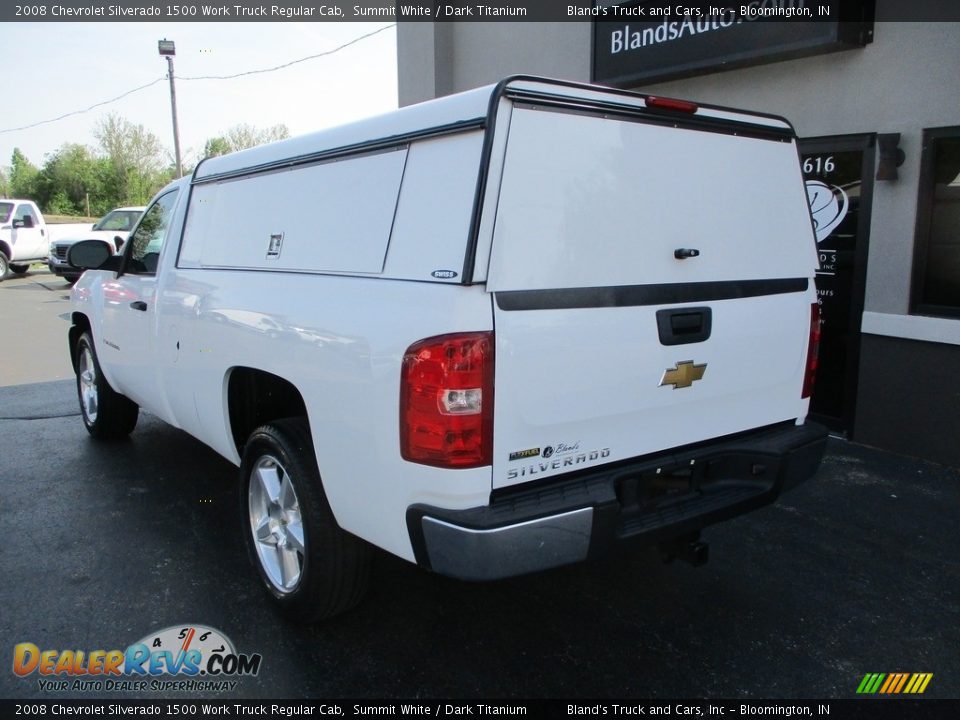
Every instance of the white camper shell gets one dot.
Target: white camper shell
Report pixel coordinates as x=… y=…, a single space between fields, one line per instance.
x=510 y=326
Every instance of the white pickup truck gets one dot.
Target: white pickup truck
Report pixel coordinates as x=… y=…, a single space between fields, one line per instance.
x=114 y=227
x=491 y=334
x=25 y=236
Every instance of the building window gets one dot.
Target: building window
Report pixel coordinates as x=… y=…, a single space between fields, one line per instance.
x=936 y=283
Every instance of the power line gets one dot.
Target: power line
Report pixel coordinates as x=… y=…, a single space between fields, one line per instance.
x=292 y=62
x=92 y=107
x=205 y=77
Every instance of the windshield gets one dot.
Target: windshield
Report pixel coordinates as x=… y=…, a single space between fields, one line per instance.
x=118 y=220
x=5 y=209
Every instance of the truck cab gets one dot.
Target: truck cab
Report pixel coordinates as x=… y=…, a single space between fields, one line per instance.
x=23 y=236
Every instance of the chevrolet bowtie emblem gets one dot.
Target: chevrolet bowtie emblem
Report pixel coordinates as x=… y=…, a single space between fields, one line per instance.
x=683 y=375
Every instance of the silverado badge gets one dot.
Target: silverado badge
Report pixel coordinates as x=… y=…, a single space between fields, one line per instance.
x=683 y=375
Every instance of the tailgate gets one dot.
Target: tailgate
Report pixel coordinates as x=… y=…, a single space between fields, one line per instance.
x=608 y=345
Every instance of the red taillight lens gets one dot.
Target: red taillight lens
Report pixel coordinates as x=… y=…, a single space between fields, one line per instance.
x=662 y=103
x=813 y=351
x=446 y=401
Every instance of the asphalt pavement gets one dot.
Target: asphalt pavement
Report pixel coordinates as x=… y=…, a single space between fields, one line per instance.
x=33 y=312
x=856 y=571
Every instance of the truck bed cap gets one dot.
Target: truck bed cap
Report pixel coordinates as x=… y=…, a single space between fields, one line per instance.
x=462 y=109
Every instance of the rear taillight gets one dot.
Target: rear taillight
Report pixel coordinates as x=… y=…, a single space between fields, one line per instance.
x=446 y=401
x=813 y=351
x=662 y=103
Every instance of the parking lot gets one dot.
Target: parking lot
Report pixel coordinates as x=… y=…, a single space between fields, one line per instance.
x=857 y=571
x=32 y=309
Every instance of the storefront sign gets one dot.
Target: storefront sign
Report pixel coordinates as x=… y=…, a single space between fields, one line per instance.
x=838 y=172
x=645 y=41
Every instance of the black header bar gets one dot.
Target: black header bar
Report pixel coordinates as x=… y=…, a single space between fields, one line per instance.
x=433 y=11
x=225 y=706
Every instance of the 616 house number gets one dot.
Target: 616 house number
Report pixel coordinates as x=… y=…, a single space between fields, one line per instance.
x=818 y=165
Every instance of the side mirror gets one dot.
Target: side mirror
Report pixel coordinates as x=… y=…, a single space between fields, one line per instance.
x=118 y=242
x=22 y=224
x=89 y=254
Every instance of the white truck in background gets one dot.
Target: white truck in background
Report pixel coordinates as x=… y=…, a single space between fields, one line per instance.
x=491 y=334
x=25 y=236
x=114 y=228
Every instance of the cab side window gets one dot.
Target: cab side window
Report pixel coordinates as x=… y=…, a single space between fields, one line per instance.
x=24 y=212
x=147 y=240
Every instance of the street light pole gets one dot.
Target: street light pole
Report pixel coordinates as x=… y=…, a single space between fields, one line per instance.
x=168 y=49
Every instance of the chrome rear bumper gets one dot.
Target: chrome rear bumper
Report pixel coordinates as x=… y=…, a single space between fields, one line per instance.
x=651 y=499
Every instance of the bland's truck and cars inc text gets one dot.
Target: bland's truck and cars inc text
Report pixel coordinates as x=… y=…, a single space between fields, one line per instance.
x=450 y=337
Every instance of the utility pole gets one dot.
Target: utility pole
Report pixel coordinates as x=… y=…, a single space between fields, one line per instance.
x=168 y=50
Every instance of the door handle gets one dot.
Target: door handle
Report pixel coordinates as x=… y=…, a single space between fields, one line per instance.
x=139 y=305
x=681 y=326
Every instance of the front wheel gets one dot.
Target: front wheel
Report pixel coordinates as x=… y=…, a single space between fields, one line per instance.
x=310 y=566
x=107 y=414
x=4 y=264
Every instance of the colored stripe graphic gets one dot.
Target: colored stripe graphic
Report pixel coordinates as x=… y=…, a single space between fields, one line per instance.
x=918 y=683
x=870 y=683
x=894 y=683
x=903 y=680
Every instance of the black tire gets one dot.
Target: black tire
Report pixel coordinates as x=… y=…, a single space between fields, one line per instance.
x=71 y=279
x=4 y=265
x=107 y=414
x=17 y=269
x=332 y=567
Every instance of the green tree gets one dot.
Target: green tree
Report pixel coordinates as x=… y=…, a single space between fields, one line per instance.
x=23 y=175
x=135 y=155
x=241 y=137
x=60 y=204
x=69 y=177
x=216 y=146
x=4 y=183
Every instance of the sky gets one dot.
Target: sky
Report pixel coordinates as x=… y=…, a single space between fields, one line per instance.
x=55 y=68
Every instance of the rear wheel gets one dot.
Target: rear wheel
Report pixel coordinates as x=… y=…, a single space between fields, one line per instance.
x=4 y=264
x=310 y=566
x=17 y=269
x=107 y=414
